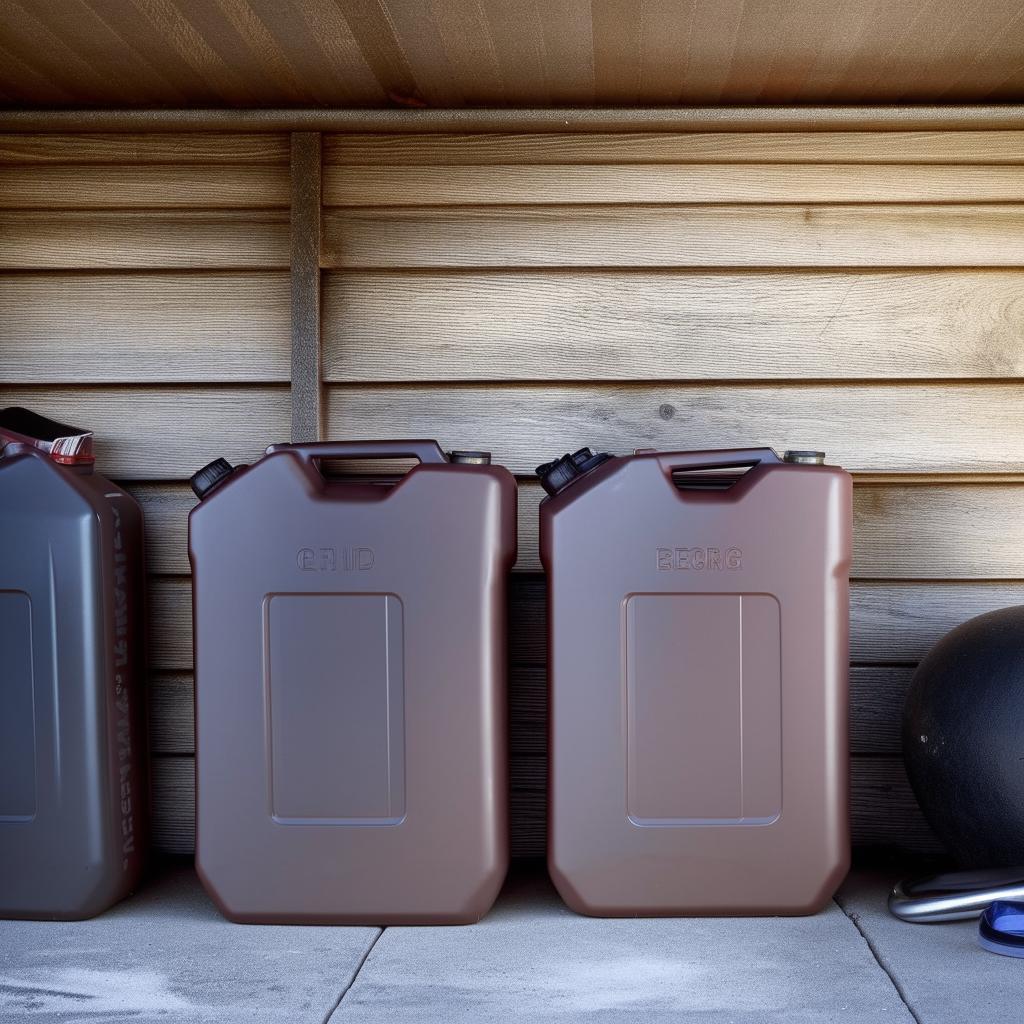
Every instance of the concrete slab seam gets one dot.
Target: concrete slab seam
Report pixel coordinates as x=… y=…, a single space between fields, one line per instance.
x=355 y=974
x=880 y=960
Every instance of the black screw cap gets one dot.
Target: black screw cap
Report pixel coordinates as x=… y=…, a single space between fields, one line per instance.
x=559 y=473
x=209 y=476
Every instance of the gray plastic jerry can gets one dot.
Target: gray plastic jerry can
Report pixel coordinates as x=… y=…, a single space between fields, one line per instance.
x=72 y=779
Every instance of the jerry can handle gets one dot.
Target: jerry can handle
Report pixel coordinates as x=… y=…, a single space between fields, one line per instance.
x=313 y=452
x=723 y=458
x=64 y=444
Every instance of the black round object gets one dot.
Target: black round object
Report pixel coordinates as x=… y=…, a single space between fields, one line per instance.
x=963 y=739
x=556 y=475
x=209 y=476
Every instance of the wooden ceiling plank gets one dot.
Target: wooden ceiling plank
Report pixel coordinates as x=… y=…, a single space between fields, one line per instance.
x=415 y=32
x=715 y=27
x=666 y=37
x=617 y=50
x=469 y=45
x=518 y=38
x=245 y=45
x=343 y=64
x=26 y=81
x=160 y=30
x=94 y=41
x=567 y=29
x=448 y=53
x=996 y=69
x=54 y=57
x=374 y=35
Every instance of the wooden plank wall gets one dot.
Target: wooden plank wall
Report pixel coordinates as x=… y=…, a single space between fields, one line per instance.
x=144 y=290
x=856 y=291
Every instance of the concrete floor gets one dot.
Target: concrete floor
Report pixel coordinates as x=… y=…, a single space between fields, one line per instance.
x=167 y=956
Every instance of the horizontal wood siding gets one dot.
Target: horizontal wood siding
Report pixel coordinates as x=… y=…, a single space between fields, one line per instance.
x=665 y=183
x=855 y=292
x=858 y=292
x=865 y=427
x=682 y=235
x=144 y=291
x=143 y=239
x=617 y=325
x=135 y=328
x=730 y=147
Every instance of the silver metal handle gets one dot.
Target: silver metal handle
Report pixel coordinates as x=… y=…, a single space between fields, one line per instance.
x=955 y=896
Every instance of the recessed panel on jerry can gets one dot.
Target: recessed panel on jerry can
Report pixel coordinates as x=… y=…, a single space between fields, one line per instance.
x=698 y=632
x=350 y=685
x=72 y=779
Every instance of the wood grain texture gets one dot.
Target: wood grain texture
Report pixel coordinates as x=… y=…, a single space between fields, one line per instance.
x=622 y=325
x=726 y=235
x=170 y=702
x=165 y=433
x=134 y=328
x=912 y=428
x=165 y=509
x=306 y=372
x=376 y=185
x=143 y=240
x=144 y=148
x=858 y=147
x=356 y=53
x=917 y=531
x=891 y=623
x=883 y=810
x=124 y=186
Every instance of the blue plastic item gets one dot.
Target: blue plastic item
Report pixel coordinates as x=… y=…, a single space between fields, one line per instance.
x=1001 y=929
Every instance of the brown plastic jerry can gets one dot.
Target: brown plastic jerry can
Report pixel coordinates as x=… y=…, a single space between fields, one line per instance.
x=350 y=685
x=73 y=787
x=698 y=630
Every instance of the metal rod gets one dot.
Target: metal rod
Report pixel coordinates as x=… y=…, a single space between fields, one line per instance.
x=991 y=117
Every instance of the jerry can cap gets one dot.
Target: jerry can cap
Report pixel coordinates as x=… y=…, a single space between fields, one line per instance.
x=210 y=476
x=468 y=458
x=559 y=473
x=804 y=458
x=66 y=445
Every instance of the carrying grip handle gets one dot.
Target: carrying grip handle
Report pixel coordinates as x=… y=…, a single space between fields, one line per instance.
x=723 y=458
x=428 y=452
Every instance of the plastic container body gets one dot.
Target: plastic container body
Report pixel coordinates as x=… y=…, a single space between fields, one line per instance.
x=350 y=689
x=698 y=686
x=73 y=790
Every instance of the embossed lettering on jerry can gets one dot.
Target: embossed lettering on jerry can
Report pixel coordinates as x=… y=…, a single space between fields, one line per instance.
x=72 y=761
x=698 y=629
x=350 y=685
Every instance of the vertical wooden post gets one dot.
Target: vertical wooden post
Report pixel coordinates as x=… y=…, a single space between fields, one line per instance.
x=307 y=389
